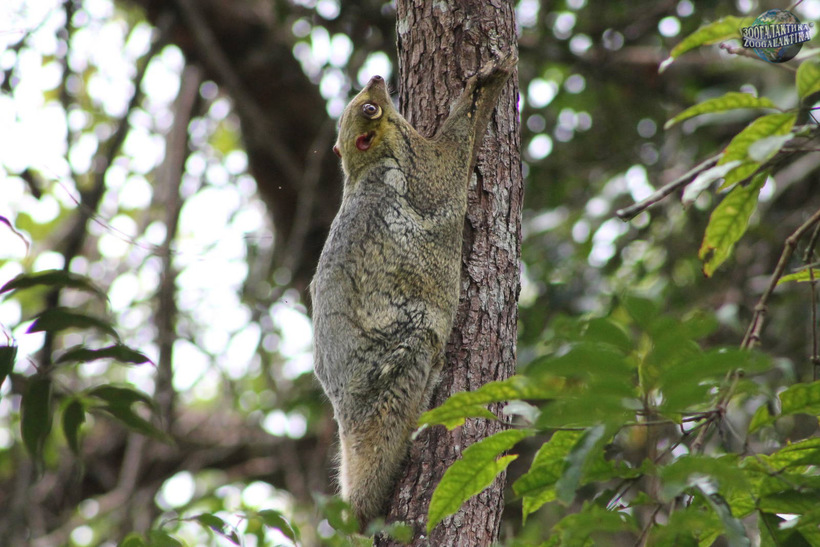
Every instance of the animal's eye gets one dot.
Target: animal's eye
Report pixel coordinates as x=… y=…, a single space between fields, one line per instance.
x=371 y=110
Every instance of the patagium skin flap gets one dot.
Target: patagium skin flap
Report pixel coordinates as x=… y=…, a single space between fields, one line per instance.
x=386 y=288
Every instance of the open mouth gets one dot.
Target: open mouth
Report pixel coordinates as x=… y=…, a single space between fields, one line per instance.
x=364 y=141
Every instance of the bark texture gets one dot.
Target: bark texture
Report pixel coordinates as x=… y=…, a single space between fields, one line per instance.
x=439 y=46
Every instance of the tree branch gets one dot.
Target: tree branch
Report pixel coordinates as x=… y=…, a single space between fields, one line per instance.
x=756 y=326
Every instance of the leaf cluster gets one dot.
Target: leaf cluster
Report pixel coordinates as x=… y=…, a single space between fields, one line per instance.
x=612 y=386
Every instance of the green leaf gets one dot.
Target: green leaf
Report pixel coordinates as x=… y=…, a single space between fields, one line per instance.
x=36 y=416
x=797 y=399
x=73 y=418
x=53 y=278
x=688 y=383
x=764 y=149
x=691 y=470
x=218 y=525
x=730 y=101
x=59 y=319
x=738 y=149
x=537 y=486
x=728 y=223
x=567 y=485
x=7 y=356
x=604 y=330
x=118 y=401
x=118 y=352
x=789 y=501
x=575 y=529
x=471 y=404
x=161 y=539
x=704 y=180
x=803 y=276
x=274 y=519
x=806 y=452
x=642 y=310
x=735 y=532
x=711 y=33
x=119 y=395
x=684 y=526
x=808 y=79
x=129 y=418
x=338 y=513
x=133 y=540
x=478 y=467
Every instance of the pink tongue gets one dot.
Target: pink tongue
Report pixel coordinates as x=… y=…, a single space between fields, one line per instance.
x=363 y=142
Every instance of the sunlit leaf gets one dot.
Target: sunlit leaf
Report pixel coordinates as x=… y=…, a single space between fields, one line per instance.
x=53 y=278
x=537 y=486
x=728 y=223
x=805 y=452
x=73 y=419
x=738 y=149
x=472 y=404
x=118 y=352
x=704 y=180
x=36 y=416
x=764 y=149
x=479 y=465
x=60 y=319
x=808 y=78
x=7 y=356
x=708 y=34
x=809 y=274
x=730 y=101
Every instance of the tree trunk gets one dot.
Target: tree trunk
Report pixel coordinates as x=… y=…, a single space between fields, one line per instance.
x=440 y=45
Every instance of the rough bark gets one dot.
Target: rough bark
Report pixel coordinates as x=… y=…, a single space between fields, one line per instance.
x=440 y=45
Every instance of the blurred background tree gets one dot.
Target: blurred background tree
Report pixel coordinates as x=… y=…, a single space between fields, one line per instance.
x=177 y=153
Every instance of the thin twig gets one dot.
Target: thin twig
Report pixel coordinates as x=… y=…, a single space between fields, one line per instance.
x=628 y=213
x=756 y=325
x=808 y=255
x=644 y=537
x=743 y=52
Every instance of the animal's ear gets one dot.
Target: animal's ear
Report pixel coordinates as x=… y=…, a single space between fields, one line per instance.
x=336 y=150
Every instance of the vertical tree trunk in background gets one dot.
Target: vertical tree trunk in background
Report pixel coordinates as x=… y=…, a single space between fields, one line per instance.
x=440 y=45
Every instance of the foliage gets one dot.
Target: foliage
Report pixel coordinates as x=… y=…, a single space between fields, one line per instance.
x=153 y=366
x=614 y=384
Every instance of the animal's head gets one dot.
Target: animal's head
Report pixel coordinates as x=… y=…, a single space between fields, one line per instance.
x=363 y=125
